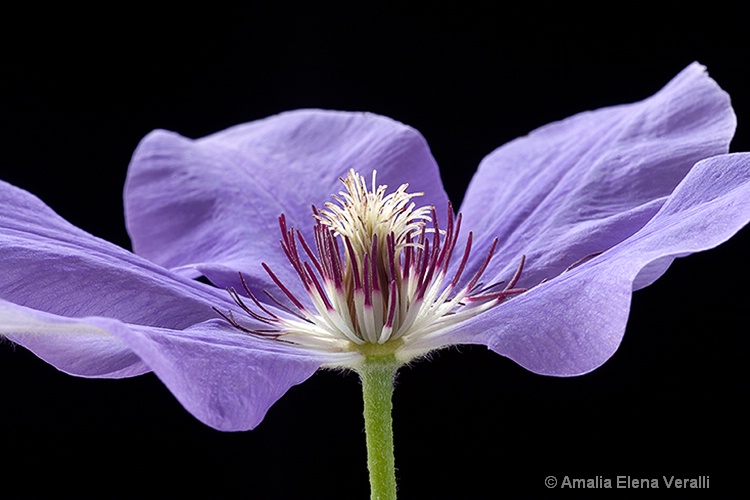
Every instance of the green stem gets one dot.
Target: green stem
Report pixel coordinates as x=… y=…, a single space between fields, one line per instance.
x=377 y=376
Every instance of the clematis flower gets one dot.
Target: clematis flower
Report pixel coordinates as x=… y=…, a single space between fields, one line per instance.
x=328 y=239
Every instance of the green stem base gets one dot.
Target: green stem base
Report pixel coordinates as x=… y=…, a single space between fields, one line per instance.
x=377 y=375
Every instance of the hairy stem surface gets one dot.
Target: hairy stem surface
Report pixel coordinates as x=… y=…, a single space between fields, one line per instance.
x=377 y=376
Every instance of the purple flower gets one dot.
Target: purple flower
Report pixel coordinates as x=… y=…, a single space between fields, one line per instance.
x=556 y=231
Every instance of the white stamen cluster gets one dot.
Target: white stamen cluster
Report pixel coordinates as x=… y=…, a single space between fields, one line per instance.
x=377 y=279
x=362 y=215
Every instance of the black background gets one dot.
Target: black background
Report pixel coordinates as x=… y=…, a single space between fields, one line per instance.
x=82 y=87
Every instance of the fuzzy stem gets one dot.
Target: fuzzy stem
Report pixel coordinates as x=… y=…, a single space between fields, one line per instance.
x=377 y=375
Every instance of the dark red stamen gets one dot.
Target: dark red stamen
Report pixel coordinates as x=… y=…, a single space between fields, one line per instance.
x=354 y=264
x=392 y=305
x=464 y=260
x=485 y=262
x=367 y=272
x=375 y=281
x=283 y=288
x=309 y=253
x=410 y=255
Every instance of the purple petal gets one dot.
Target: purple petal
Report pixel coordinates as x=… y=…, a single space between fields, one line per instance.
x=580 y=186
x=225 y=378
x=75 y=346
x=50 y=265
x=227 y=190
x=574 y=322
x=93 y=309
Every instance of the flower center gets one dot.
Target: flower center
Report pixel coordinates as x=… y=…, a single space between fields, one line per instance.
x=377 y=278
